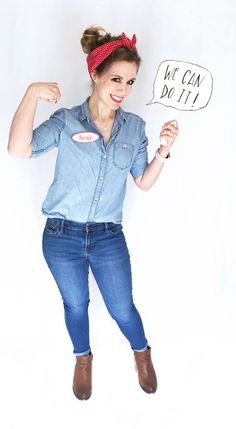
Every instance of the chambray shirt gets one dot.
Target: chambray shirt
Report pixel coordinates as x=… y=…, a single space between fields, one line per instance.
x=90 y=175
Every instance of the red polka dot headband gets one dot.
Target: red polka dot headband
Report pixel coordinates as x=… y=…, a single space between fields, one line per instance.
x=99 y=54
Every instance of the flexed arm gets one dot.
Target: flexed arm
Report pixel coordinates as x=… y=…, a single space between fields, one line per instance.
x=21 y=131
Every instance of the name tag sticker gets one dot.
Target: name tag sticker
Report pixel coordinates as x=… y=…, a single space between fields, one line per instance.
x=85 y=137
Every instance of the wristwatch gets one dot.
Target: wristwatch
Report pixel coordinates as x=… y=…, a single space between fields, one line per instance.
x=162 y=158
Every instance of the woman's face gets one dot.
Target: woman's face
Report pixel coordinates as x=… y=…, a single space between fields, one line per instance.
x=115 y=83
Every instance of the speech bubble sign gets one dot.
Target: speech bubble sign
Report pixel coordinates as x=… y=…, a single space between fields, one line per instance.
x=182 y=85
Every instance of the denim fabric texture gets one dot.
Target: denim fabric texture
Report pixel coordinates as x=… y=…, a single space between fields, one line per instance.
x=70 y=249
x=90 y=176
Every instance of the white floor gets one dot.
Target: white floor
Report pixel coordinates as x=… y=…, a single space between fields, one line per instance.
x=197 y=379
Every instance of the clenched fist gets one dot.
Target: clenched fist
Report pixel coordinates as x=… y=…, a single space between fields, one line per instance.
x=48 y=91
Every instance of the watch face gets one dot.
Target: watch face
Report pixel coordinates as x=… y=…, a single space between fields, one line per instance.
x=162 y=158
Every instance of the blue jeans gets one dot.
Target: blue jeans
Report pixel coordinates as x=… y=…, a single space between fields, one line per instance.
x=70 y=248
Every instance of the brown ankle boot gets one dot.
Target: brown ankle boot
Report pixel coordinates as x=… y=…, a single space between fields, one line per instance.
x=146 y=372
x=82 y=382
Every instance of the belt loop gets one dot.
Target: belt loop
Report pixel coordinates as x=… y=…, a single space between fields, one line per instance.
x=62 y=225
x=106 y=224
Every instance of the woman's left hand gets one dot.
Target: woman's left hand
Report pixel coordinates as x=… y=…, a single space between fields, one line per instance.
x=168 y=134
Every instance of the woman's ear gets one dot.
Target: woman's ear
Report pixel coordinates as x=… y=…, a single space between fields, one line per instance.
x=94 y=75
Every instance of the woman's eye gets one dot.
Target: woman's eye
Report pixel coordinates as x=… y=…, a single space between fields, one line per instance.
x=116 y=79
x=131 y=82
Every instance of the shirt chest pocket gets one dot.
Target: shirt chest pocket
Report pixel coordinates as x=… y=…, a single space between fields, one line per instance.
x=123 y=154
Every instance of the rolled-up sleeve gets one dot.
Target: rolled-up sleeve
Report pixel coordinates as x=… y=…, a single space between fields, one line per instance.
x=141 y=159
x=47 y=135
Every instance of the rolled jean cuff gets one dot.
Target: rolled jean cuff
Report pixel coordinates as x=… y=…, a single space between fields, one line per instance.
x=141 y=350
x=86 y=353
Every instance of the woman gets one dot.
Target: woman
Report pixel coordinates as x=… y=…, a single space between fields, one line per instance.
x=98 y=145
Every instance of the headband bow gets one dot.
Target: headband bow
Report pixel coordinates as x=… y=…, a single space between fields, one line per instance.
x=99 y=54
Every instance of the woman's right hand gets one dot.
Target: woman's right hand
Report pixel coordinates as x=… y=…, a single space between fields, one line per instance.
x=48 y=91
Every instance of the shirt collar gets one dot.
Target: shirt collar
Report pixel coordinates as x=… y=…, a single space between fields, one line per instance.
x=121 y=115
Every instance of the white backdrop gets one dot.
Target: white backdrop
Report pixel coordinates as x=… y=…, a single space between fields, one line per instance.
x=181 y=234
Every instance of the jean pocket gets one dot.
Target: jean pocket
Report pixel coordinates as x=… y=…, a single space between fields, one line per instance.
x=53 y=226
x=123 y=154
x=114 y=228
